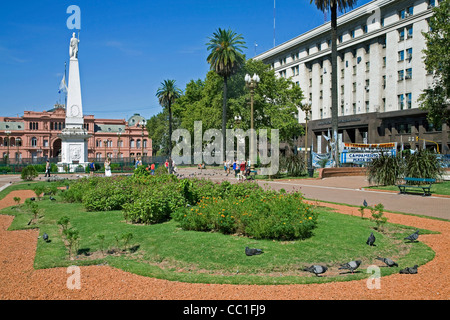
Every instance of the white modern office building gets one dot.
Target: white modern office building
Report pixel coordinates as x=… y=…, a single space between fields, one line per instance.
x=381 y=74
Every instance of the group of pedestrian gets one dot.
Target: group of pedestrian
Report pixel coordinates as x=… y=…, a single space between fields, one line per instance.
x=241 y=169
x=174 y=167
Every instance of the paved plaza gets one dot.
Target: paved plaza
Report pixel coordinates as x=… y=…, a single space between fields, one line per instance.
x=347 y=190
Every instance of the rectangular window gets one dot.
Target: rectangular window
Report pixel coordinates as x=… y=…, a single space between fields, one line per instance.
x=364 y=29
x=431 y=4
x=410 y=11
x=340 y=38
x=401 y=55
x=400 y=98
x=402 y=14
x=384 y=82
x=352 y=34
x=367 y=66
x=354 y=86
x=401 y=75
x=409 y=53
x=401 y=34
x=408 y=73
x=408 y=100
x=367 y=107
x=409 y=31
x=384 y=61
x=354 y=108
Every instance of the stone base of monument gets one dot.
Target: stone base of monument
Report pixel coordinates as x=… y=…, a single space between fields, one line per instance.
x=72 y=167
x=74 y=150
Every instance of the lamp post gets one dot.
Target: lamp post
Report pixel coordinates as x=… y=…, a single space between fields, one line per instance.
x=7 y=146
x=118 y=144
x=106 y=143
x=307 y=109
x=18 y=142
x=142 y=140
x=252 y=83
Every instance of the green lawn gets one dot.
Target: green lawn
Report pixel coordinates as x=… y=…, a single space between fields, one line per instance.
x=166 y=251
x=442 y=188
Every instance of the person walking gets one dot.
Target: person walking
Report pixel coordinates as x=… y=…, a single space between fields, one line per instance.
x=152 y=169
x=47 y=169
x=242 y=168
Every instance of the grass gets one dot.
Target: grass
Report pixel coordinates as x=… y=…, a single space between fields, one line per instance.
x=442 y=188
x=168 y=252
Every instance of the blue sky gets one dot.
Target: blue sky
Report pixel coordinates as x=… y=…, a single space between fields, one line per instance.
x=127 y=48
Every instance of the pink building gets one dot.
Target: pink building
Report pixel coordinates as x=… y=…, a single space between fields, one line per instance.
x=35 y=136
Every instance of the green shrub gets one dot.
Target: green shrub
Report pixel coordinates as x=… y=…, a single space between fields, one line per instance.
x=261 y=215
x=422 y=164
x=153 y=205
x=29 y=173
x=386 y=169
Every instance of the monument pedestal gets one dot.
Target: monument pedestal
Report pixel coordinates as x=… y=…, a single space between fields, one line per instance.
x=74 y=150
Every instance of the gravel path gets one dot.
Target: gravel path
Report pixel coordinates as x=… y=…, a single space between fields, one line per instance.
x=18 y=279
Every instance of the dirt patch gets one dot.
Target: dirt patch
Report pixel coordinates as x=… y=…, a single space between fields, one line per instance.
x=19 y=280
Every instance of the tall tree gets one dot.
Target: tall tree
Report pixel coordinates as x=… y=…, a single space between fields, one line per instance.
x=167 y=94
x=437 y=61
x=334 y=6
x=225 y=58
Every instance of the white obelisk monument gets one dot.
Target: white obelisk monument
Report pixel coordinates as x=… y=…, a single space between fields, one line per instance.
x=74 y=138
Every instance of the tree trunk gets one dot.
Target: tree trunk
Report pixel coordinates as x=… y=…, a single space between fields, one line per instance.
x=170 y=137
x=334 y=82
x=224 y=118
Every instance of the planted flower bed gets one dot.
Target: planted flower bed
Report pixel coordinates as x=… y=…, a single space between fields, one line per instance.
x=198 y=204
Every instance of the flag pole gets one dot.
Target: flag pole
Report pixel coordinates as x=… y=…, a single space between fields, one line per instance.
x=65 y=91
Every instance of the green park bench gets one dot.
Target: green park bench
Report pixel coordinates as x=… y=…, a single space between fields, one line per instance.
x=416 y=183
x=252 y=175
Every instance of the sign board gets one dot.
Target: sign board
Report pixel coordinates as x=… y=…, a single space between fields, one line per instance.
x=362 y=152
x=318 y=160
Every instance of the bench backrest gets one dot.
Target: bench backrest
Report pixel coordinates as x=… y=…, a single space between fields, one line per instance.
x=419 y=179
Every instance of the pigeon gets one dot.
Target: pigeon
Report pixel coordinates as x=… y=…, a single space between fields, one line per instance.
x=388 y=262
x=409 y=270
x=413 y=237
x=371 y=240
x=352 y=265
x=252 y=252
x=365 y=203
x=316 y=269
x=45 y=237
x=51 y=198
x=32 y=198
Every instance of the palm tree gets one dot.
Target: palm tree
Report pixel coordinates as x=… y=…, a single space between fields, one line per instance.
x=167 y=94
x=225 y=58
x=334 y=6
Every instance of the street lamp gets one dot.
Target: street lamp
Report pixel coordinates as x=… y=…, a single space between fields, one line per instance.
x=7 y=153
x=105 y=142
x=18 y=142
x=307 y=109
x=142 y=140
x=252 y=83
x=118 y=144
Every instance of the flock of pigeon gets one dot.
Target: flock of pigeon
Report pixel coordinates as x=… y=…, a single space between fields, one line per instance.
x=320 y=269
x=353 y=265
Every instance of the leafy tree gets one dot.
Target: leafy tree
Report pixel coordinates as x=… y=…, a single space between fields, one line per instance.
x=225 y=58
x=334 y=6
x=167 y=94
x=157 y=128
x=437 y=61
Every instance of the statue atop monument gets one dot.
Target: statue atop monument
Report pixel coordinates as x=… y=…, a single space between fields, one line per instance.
x=74 y=47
